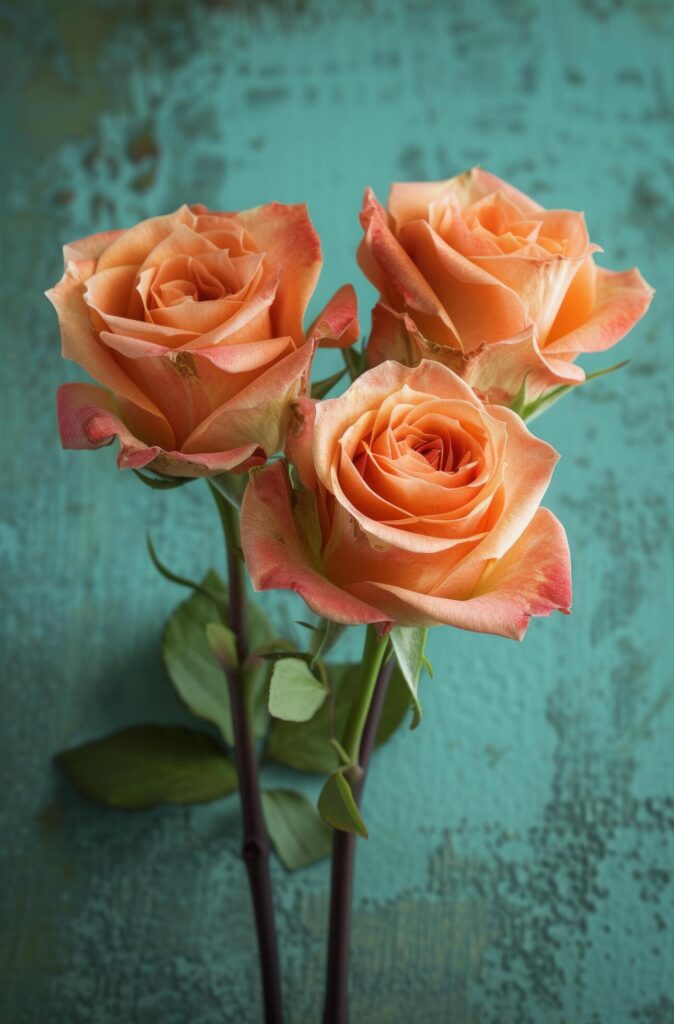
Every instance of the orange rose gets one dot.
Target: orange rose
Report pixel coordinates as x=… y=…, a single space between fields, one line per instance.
x=193 y=322
x=475 y=274
x=416 y=505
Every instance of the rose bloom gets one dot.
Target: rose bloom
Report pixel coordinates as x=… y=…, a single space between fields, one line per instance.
x=477 y=275
x=415 y=505
x=193 y=324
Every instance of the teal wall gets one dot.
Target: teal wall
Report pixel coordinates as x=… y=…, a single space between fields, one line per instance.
x=519 y=869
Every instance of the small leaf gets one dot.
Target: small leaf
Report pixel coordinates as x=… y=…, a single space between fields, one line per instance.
x=396 y=707
x=190 y=662
x=194 y=669
x=295 y=694
x=539 y=405
x=604 y=372
x=162 y=483
x=222 y=642
x=320 y=388
x=353 y=361
x=299 y=835
x=148 y=765
x=337 y=805
x=307 y=747
x=408 y=646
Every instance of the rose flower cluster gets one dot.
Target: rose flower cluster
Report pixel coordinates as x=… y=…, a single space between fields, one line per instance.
x=414 y=497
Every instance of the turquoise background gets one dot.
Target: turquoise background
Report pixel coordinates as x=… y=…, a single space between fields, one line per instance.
x=519 y=869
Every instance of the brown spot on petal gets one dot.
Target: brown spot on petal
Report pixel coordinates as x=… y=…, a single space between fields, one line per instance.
x=183 y=363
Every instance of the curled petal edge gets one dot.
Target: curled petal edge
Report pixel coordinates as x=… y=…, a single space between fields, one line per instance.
x=88 y=418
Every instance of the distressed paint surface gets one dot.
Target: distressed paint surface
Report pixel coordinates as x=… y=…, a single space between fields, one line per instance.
x=520 y=865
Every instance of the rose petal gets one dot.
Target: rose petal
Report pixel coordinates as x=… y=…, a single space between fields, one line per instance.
x=287 y=236
x=277 y=557
x=473 y=185
x=258 y=412
x=81 y=345
x=131 y=247
x=89 y=248
x=392 y=336
x=89 y=418
x=299 y=440
x=481 y=308
x=386 y=264
x=622 y=298
x=498 y=371
x=337 y=325
x=533 y=578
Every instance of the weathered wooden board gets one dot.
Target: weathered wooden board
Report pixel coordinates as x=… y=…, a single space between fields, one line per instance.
x=520 y=865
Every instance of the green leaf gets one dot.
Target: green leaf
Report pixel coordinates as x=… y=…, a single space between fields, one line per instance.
x=320 y=388
x=307 y=746
x=396 y=707
x=194 y=669
x=408 y=646
x=539 y=405
x=162 y=483
x=190 y=662
x=353 y=361
x=337 y=805
x=148 y=765
x=299 y=835
x=295 y=694
x=222 y=642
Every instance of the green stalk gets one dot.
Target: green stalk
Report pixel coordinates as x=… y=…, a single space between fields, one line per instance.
x=359 y=740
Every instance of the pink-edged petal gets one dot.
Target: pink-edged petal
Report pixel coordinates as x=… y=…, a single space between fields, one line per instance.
x=288 y=238
x=395 y=336
x=622 y=298
x=89 y=418
x=258 y=413
x=386 y=264
x=278 y=558
x=81 y=345
x=337 y=325
x=532 y=579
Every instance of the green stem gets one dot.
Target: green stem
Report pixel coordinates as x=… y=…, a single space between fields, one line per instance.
x=373 y=656
x=255 y=849
x=359 y=741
